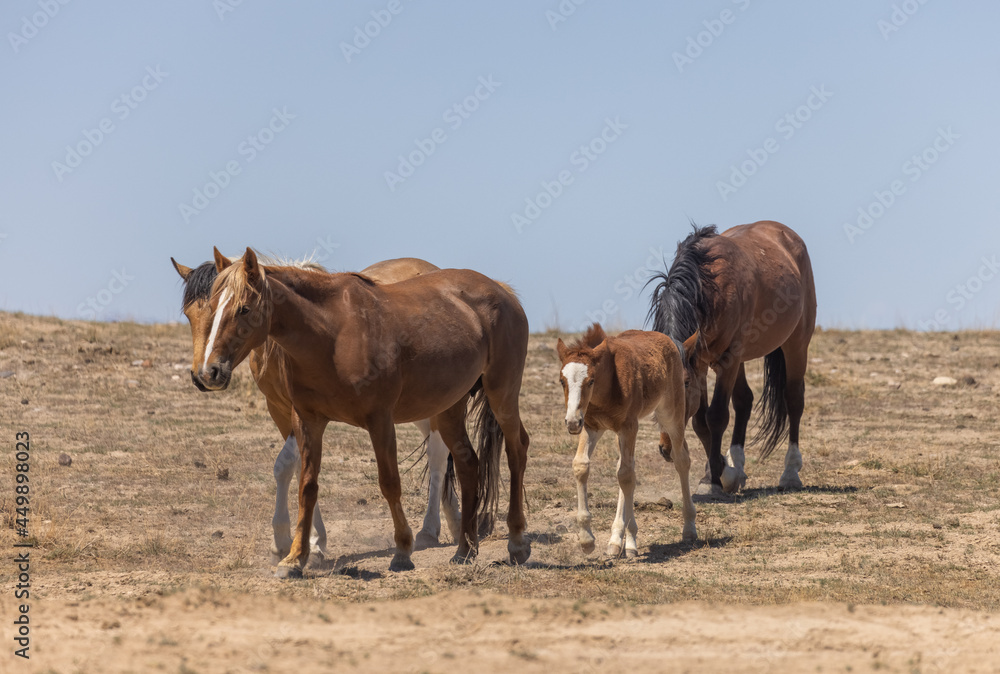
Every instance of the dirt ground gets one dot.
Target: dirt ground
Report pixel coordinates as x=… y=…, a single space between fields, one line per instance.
x=152 y=546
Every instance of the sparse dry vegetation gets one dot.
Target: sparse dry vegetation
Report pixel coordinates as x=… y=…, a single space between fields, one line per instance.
x=901 y=508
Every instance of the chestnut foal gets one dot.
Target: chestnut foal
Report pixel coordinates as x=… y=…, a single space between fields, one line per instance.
x=609 y=383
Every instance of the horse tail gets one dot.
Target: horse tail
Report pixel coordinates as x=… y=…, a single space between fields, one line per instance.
x=487 y=436
x=773 y=426
x=449 y=475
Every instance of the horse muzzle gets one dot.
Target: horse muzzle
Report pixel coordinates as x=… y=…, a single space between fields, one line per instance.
x=215 y=377
x=574 y=426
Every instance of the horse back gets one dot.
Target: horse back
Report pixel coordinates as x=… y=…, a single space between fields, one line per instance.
x=648 y=369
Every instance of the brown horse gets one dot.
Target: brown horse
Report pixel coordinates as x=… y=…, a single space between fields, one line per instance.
x=375 y=355
x=750 y=293
x=441 y=494
x=609 y=383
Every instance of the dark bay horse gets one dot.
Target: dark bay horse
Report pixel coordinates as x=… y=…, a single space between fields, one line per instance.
x=440 y=494
x=610 y=383
x=375 y=355
x=750 y=293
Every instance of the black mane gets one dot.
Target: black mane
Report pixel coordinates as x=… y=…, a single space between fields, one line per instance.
x=198 y=284
x=680 y=304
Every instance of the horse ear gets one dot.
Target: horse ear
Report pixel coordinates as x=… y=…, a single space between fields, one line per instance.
x=561 y=349
x=181 y=269
x=250 y=264
x=221 y=261
x=691 y=349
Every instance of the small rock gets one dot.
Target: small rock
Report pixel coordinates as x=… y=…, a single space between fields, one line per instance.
x=6 y=373
x=894 y=384
x=222 y=473
x=147 y=363
x=176 y=377
x=65 y=460
x=666 y=503
x=179 y=366
x=198 y=464
x=132 y=383
x=217 y=534
x=895 y=505
x=137 y=363
x=362 y=501
x=24 y=401
x=561 y=529
x=945 y=381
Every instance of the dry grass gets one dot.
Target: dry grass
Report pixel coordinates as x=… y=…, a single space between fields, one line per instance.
x=901 y=504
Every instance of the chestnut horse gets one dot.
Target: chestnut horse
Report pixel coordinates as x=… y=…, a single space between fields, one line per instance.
x=609 y=383
x=197 y=290
x=750 y=292
x=375 y=355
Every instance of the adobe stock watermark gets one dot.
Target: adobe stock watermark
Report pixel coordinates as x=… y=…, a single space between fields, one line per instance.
x=580 y=160
x=121 y=108
x=787 y=126
x=91 y=308
x=453 y=117
x=900 y=15
x=328 y=246
x=223 y=7
x=31 y=25
x=562 y=12
x=696 y=44
x=961 y=294
x=363 y=35
x=248 y=149
x=626 y=288
x=913 y=168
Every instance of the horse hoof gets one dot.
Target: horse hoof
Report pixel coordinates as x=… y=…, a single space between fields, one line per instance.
x=666 y=453
x=463 y=558
x=519 y=554
x=276 y=557
x=288 y=572
x=631 y=554
x=733 y=479
x=425 y=540
x=790 y=483
x=613 y=552
x=689 y=535
x=587 y=546
x=401 y=563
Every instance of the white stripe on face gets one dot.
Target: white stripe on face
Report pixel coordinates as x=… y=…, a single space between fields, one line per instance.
x=575 y=374
x=223 y=301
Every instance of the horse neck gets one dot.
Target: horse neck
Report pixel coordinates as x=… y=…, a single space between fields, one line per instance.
x=605 y=383
x=302 y=322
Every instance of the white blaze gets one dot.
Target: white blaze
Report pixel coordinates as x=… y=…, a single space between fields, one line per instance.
x=223 y=301
x=575 y=374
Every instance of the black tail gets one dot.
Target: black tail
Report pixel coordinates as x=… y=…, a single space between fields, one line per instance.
x=449 y=476
x=772 y=427
x=487 y=437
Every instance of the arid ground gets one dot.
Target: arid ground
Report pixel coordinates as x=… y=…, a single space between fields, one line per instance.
x=152 y=546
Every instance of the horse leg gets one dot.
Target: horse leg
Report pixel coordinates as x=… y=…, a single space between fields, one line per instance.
x=451 y=425
x=317 y=540
x=383 y=436
x=624 y=526
x=795 y=392
x=581 y=470
x=699 y=422
x=672 y=425
x=718 y=419
x=310 y=437
x=431 y=529
x=284 y=465
x=733 y=476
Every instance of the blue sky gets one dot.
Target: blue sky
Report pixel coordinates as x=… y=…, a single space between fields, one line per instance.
x=562 y=148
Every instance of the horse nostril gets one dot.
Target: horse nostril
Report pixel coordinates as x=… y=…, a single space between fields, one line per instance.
x=213 y=372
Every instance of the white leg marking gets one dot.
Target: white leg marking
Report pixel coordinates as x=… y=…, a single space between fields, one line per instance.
x=317 y=540
x=575 y=374
x=733 y=477
x=793 y=464
x=581 y=470
x=437 y=465
x=284 y=466
x=223 y=301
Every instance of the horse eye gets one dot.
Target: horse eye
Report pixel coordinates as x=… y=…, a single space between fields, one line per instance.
x=590 y=383
x=244 y=311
